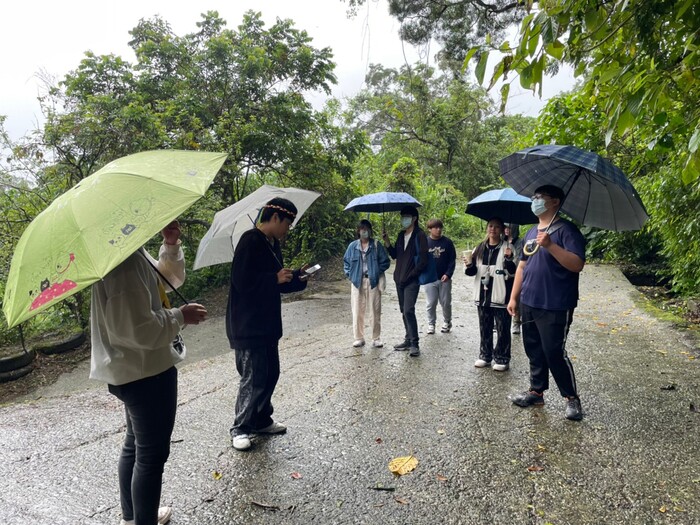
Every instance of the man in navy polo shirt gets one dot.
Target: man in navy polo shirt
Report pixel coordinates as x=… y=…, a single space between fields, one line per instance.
x=545 y=291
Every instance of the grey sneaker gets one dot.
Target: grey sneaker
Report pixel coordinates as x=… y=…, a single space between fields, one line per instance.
x=573 y=409
x=358 y=343
x=402 y=346
x=415 y=351
x=446 y=327
x=241 y=442
x=482 y=363
x=431 y=329
x=272 y=428
x=377 y=343
x=527 y=399
x=500 y=367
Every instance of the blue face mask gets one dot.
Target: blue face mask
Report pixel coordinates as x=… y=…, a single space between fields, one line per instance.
x=364 y=234
x=538 y=207
x=406 y=221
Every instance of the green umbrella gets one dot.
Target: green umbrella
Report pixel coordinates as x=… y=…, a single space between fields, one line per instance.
x=93 y=227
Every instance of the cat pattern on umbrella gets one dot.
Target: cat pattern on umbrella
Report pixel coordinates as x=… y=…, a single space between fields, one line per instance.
x=52 y=290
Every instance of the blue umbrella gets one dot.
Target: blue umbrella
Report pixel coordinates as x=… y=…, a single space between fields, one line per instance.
x=597 y=192
x=504 y=204
x=382 y=201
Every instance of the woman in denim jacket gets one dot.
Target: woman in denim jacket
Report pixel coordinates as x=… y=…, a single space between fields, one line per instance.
x=364 y=263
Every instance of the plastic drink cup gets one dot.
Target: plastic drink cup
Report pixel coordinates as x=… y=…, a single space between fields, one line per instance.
x=467 y=255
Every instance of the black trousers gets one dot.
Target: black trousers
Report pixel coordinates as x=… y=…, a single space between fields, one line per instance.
x=150 y=406
x=544 y=338
x=259 y=369
x=487 y=317
x=408 y=295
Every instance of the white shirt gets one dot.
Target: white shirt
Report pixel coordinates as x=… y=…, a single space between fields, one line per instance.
x=131 y=332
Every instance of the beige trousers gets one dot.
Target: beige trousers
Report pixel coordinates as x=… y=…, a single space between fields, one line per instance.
x=360 y=299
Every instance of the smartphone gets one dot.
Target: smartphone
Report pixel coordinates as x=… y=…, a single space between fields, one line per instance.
x=312 y=269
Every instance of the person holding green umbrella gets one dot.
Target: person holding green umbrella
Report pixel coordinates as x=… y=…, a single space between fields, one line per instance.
x=135 y=346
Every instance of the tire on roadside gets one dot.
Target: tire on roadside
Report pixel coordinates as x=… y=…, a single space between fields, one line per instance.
x=11 y=375
x=70 y=343
x=16 y=361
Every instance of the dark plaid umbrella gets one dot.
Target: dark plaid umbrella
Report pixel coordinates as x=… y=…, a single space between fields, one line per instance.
x=504 y=204
x=381 y=202
x=597 y=193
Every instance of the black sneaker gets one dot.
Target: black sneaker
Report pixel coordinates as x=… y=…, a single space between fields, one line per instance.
x=415 y=351
x=527 y=399
x=573 y=409
x=402 y=346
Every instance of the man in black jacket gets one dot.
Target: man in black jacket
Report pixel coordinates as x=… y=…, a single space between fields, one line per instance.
x=254 y=319
x=410 y=242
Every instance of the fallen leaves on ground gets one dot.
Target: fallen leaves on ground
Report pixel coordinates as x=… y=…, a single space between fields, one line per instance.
x=440 y=477
x=216 y=475
x=403 y=465
x=378 y=441
x=535 y=468
x=401 y=500
x=295 y=475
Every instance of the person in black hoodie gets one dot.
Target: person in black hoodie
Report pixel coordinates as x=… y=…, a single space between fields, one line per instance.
x=254 y=319
x=411 y=255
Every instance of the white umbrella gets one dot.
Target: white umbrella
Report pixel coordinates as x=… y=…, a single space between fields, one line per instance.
x=218 y=244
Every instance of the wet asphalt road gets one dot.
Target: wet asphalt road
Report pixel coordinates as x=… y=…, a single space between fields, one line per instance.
x=632 y=460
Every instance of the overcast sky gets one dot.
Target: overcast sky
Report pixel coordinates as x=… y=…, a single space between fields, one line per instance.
x=52 y=37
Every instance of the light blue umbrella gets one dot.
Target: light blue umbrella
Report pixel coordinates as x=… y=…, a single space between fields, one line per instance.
x=503 y=203
x=382 y=202
x=597 y=192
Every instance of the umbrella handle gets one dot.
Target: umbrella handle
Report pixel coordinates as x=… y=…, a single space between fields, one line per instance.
x=531 y=246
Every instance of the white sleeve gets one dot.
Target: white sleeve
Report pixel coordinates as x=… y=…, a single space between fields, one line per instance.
x=130 y=316
x=171 y=263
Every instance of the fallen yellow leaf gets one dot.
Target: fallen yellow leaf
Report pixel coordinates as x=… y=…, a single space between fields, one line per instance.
x=440 y=431
x=403 y=465
x=663 y=508
x=216 y=475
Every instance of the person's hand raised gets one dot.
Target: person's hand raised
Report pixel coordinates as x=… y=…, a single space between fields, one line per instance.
x=171 y=233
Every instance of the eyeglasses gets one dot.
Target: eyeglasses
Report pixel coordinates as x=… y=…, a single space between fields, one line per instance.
x=540 y=196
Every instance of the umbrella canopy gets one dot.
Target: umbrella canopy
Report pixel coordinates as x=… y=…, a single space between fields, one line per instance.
x=597 y=192
x=381 y=202
x=93 y=227
x=218 y=244
x=505 y=204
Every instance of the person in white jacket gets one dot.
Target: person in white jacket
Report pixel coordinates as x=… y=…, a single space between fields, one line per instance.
x=493 y=269
x=135 y=346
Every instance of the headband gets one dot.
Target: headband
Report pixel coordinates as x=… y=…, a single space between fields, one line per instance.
x=285 y=210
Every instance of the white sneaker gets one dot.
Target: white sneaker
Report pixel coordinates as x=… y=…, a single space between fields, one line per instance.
x=164 y=515
x=431 y=329
x=498 y=367
x=358 y=343
x=273 y=428
x=480 y=363
x=377 y=343
x=241 y=442
x=446 y=327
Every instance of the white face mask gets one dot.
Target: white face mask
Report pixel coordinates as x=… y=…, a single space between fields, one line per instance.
x=406 y=221
x=538 y=207
x=364 y=234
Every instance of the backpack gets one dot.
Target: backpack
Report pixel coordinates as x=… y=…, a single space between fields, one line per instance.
x=429 y=273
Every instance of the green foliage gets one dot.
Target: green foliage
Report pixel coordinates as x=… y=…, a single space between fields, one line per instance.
x=216 y=89
x=448 y=126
